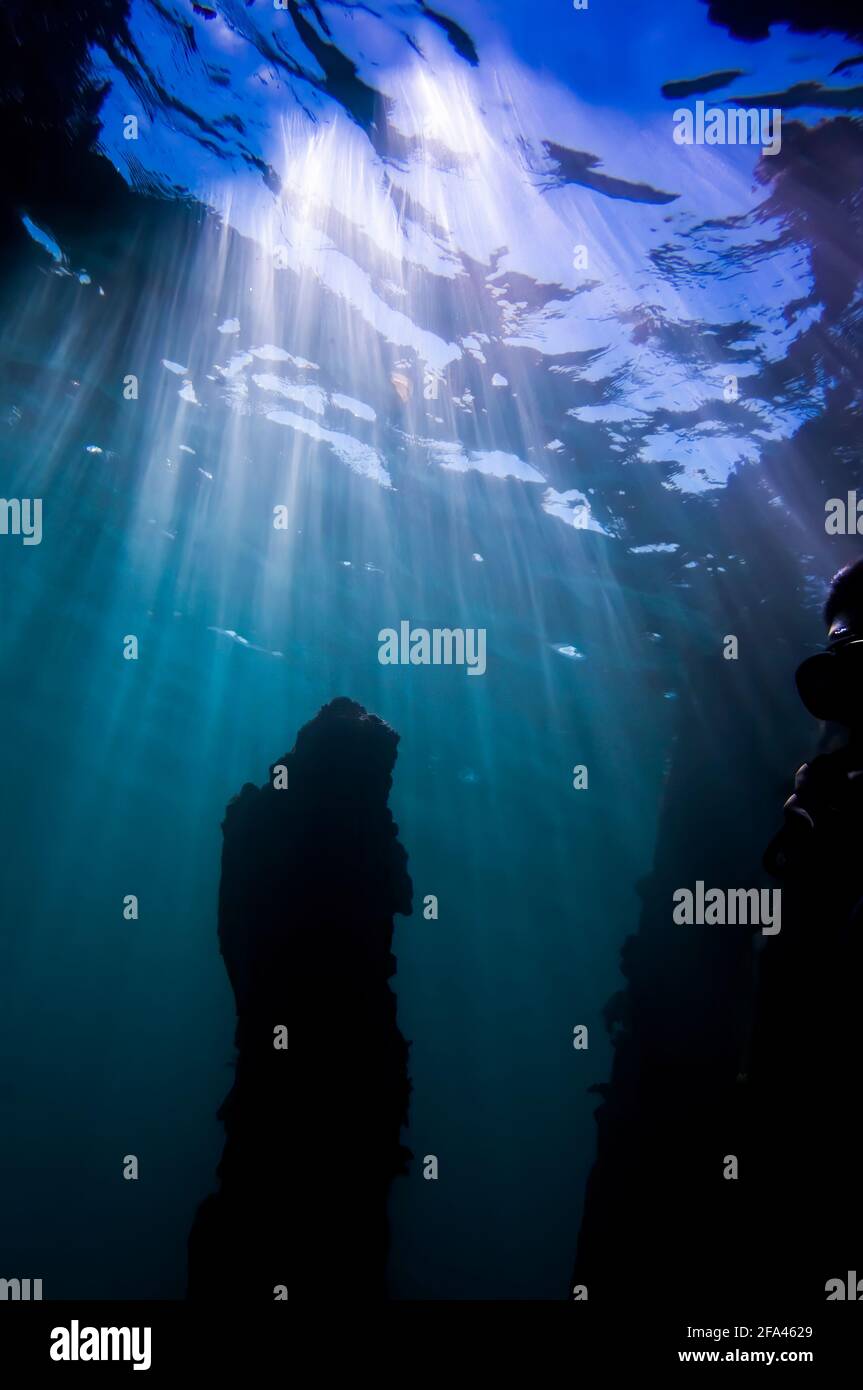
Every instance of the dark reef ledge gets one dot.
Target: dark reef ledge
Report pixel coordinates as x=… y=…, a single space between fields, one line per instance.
x=312 y=873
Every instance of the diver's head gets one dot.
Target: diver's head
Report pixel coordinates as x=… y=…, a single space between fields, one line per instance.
x=830 y=684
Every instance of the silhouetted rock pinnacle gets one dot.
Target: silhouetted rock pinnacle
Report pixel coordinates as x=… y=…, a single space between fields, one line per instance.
x=312 y=873
x=661 y=1223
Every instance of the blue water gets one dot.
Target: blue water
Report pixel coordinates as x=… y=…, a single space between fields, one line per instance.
x=380 y=322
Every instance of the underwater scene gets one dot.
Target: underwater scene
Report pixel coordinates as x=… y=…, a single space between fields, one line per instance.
x=430 y=433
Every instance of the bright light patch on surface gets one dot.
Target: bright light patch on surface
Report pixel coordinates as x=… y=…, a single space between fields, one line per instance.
x=43 y=239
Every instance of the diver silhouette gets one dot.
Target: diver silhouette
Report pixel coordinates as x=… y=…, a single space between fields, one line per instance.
x=823 y=816
x=803 y=1127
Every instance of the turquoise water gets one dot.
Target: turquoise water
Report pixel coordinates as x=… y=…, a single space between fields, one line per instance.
x=381 y=322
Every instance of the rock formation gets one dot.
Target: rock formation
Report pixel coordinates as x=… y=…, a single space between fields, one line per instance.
x=661 y=1222
x=312 y=873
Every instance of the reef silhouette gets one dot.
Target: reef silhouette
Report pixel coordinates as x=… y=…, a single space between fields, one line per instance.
x=730 y=1044
x=312 y=874
x=659 y=1220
